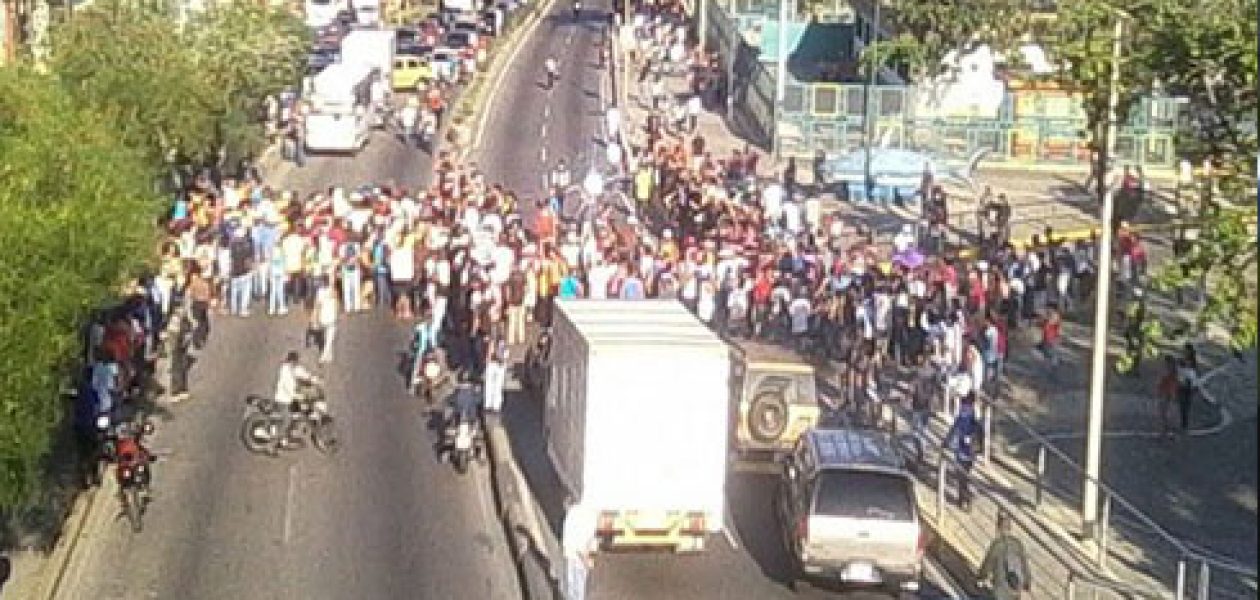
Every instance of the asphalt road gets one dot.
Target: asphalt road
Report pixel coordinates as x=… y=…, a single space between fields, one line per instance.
x=382 y=519
x=528 y=130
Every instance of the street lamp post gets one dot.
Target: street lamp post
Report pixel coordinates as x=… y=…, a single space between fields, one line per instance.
x=867 y=122
x=780 y=87
x=1102 y=308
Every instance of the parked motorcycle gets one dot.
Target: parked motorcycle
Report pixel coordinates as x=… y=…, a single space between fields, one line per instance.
x=309 y=417
x=463 y=439
x=431 y=378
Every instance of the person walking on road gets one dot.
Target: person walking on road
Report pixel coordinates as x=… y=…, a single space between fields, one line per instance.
x=1004 y=570
x=497 y=363
x=579 y=543
x=324 y=320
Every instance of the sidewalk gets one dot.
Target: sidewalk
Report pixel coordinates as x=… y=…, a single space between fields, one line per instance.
x=1213 y=510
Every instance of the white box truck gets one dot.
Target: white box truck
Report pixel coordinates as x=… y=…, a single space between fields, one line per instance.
x=636 y=420
x=371 y=47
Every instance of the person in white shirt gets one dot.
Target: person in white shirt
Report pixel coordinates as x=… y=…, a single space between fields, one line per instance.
x=792 y=221
x=904 y=240
x=694 y=108
x=772 y=204
x=799 y=312
x=289 y=381
x=578 y=540
x=612 y=121
x=600 y=275
x=324 y=320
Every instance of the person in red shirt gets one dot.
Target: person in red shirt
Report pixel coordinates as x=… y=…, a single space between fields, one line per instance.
x=544 y=222
x=1051 y=327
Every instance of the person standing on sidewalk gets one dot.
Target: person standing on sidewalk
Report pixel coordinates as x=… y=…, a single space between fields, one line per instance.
x=1050 y=332
x=965 y=438
x=1005 y=569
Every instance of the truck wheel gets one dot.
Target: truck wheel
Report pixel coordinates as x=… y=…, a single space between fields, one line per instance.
x=767 y=417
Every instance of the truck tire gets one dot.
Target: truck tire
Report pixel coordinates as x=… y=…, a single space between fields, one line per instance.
x=767 y=417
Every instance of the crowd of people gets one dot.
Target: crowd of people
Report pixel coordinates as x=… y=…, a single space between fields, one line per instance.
x=754 y=257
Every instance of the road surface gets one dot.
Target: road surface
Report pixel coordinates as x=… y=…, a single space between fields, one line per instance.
x=381 y=519
x=528 y=130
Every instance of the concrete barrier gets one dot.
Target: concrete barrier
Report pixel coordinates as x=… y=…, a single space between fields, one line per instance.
x=535 y=549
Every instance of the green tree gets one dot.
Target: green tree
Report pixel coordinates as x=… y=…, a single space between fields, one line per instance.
x=246 y=52
x=188 y=90
x=76 y=214
x=1207 y=53
x=133 y=65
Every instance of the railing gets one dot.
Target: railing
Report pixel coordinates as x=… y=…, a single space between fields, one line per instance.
x=1124 y=533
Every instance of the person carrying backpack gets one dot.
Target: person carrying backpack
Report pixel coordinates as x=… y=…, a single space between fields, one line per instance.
x=1005 y=568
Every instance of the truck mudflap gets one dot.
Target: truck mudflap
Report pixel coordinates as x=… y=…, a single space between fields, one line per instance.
x=678 y=531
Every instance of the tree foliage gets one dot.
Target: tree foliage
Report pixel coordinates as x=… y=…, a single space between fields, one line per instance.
x=126 y=88
x=75 y=219
x=1202 y=51
x=245 y=52
x=180 y=89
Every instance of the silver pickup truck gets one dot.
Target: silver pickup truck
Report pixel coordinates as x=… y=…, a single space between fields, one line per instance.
x=847 y=510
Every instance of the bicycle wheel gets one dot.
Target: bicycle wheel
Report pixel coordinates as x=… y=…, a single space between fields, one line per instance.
x=133 y=508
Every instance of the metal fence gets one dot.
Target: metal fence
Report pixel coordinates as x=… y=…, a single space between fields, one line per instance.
x=1132 y=556
x=1031 y=127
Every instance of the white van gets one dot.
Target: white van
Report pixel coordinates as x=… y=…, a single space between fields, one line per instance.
x=321 y=13
x=367 y=12
x=340 y=117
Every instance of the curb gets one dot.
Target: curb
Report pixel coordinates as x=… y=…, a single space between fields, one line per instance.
x=532 y=545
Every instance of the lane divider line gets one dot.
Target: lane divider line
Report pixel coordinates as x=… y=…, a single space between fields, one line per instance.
x=525 y=36
x=288 y=504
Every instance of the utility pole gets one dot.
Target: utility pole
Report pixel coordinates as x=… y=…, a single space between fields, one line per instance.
x=780 y=78
x=868 y=124
x=1102 y=307
x=702 y=23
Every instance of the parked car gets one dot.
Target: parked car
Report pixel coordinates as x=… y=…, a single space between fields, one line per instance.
x=846 y=506
x=319 y=58
x=458 y=40
x=471 y=30
x=445 y=63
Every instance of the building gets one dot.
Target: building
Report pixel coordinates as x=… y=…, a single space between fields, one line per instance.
x=829 y=104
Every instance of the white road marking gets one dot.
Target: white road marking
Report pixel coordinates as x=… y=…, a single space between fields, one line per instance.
x=543 y=133
x=546 y=111
x=483 y=498
x=288 y=504
x=498 y=81
x=728 y=527
x=1227 y=419
x=542 y=154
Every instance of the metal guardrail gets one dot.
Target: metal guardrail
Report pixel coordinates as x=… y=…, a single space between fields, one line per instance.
x=1171 y=563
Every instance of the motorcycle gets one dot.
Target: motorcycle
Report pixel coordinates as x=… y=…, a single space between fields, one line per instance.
x=310 y=417
x=131 y=470
x=463 y=438
x=432 y=379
